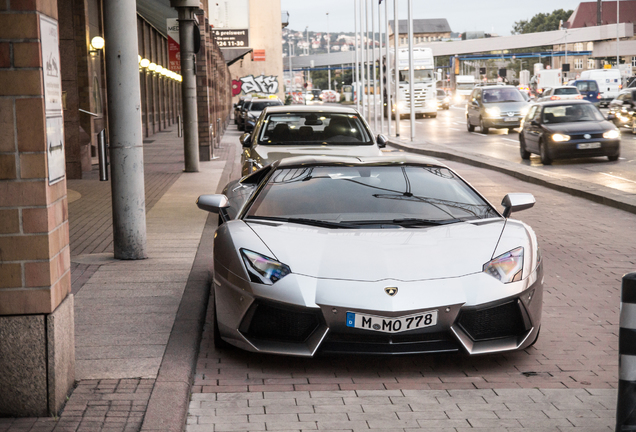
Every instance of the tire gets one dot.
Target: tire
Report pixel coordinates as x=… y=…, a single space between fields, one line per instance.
x=543 y=152
x=613 y=158
x=482 y=126
x=433 y=115
x=511 y=130
x=218 y=342
x=525 y=154
x=469 y=126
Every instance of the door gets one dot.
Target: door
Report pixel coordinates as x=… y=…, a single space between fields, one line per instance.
x=473 y=106
x=531 y=132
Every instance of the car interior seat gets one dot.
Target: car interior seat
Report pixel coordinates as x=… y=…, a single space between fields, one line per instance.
x=280 y=132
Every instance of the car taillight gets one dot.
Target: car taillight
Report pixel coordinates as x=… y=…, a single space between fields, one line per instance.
x=579 y=97
x=598 y=96
x=620 y=86
x=554 y=98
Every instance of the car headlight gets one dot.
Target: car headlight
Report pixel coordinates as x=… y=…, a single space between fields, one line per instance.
x=401 y=105
x=494 y=111
x=557 y=137
x=262 y=269
x=446 y=99
x=507 y=267
x=525 y=110
x=612 y=134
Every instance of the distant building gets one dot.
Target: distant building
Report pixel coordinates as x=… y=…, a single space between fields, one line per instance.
x=424 y=30
x=585 y=13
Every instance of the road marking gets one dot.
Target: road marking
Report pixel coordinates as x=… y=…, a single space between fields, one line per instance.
x=508 y=139
x=455 y=129
x=617 y=177
x=477 y=133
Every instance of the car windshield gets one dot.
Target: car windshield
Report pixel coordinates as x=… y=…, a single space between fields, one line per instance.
x=402 y=195
x=571 y=113
x=465 y=86
x=441 y=93
x=585 y=86
x=498 y=95
x=420 y=75
x=260 y=106
x=566 y=91
x=301 y=128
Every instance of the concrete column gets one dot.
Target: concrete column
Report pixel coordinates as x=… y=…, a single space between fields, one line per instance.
x=124 y=115
x=37 y=347
x=189 y=89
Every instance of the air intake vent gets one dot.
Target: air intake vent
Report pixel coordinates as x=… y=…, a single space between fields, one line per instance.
x=280 y=323
x=494 y=322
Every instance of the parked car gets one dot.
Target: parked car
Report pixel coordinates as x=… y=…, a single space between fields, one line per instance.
x=253 y=109
x=498 y=107
x=568 y=129
x=560 y=93
x=443 y=100
x=588 y=89
x=306 y=130
x=238 y=106
x=622 y=109
x=382 y=255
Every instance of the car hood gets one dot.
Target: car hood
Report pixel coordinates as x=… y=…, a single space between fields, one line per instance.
x=507 y=106
x=580 y=127
x=271 y=153
x=376 y=254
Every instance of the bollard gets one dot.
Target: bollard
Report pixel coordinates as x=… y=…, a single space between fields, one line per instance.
x=179 y=126
x=626 y=404
x=102 y=156
x=218 y=133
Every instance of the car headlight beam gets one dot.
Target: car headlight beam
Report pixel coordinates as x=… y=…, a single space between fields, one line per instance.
x=557 y=137
x=262 y=269
x=612 y=134
x=494 y=111
x=507 y=267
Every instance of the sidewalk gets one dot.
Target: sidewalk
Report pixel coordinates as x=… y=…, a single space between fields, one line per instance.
x=138 y=323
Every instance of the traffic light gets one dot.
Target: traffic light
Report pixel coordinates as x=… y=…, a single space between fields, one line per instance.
x=482 y=71
x=565 y=67
x=502 y=72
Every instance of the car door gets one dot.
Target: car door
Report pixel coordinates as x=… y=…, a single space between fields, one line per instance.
x=473 y=106
x=532 y=128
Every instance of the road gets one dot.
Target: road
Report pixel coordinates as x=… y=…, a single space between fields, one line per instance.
x=566 y=382
x=449 y=129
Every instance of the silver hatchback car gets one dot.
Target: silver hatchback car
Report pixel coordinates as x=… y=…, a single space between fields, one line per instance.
x=497 y=107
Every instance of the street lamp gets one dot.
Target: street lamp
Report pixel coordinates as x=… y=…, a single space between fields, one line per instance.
x=328 y=52
x=307 y=31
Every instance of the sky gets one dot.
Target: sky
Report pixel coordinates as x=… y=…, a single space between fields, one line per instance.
x=496 y=16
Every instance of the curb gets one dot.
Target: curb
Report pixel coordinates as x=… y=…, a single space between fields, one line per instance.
x=593 y=192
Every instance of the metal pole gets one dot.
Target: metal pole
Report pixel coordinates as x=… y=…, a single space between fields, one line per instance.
x=375 y=71
x=102 y=150
x=189 y=89
x=125 y=133
x=388 y=68
x=356 y=92
x=618 y=20
x=291 y=74
x=380 y=68
x=396 y=60
x=626 y=403
x=328 y=53
x=411 y=71
x=363 y=98
x=367 y=57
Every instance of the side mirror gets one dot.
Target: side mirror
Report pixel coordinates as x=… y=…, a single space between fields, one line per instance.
x=534 y=123
x=245 y=139
x=381 y=140
x=213 y=203
x=611 y=117
x=517 y=202
x=235 y=105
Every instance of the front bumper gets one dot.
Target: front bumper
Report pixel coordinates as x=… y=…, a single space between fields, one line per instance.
x=503 y=122
x=568 y=149
x=475 y=314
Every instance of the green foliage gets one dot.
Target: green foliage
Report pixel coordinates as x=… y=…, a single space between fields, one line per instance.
x=541 y=22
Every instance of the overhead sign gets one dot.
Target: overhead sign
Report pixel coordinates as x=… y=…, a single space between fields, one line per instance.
x=231 y=38
x=174 y=50
x=53 y=99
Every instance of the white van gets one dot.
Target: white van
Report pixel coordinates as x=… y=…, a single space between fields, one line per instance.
x=609 y=83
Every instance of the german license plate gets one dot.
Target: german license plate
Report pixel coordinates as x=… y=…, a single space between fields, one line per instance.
x=391 y=325
x=585 y=146
x=510 y=119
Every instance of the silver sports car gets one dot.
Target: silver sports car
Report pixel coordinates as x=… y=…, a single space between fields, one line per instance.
x=381 y=255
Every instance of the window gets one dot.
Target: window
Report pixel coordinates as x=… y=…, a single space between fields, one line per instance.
x=578 y=46
x=591 y=63
x=578 y=63
x=633 y=61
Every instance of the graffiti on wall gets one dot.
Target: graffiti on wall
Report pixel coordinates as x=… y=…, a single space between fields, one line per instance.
x=252 y=84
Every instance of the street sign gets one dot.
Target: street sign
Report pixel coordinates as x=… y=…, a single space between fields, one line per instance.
x=231 y=38
x=174 y=51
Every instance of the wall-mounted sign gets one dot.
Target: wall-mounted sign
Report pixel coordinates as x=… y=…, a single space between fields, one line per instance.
x=231 y=38
x=258 y=55
x=230 y=14
x=174 y=50
x=53 y=100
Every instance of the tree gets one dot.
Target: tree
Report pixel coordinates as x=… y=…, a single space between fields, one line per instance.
x=541 y=22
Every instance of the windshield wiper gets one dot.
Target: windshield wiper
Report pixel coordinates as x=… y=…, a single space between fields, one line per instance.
x=304 y=221
x=424 y=222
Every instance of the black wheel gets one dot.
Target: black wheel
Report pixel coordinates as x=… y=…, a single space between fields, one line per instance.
x=543 y=152
x=511 y=130
x=433 y=115
x=525 y=154
x=482 y=126
x=613 y=158
x=469 y=126
x=218 y=342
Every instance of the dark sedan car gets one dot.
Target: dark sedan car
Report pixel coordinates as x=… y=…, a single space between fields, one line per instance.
x=568 y=129
x=252 y=109
x=623 y=109
x=237 y=108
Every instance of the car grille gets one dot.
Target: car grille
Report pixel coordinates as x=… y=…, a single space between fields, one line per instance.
x=495 y=322
x=593 y=136
x=281 y=323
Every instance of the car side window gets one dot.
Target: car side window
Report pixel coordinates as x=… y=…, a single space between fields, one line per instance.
x=478 y=94
x=537 y=114
x=622 y=97
x=531 y=113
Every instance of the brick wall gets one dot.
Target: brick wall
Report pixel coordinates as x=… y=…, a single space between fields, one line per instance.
x=34 y=236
